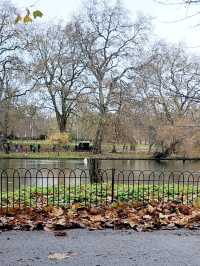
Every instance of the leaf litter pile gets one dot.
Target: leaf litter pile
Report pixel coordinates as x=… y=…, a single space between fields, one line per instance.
x=140 y=217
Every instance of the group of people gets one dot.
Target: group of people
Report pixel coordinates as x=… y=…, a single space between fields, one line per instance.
x=35 y=147
x=8 y=147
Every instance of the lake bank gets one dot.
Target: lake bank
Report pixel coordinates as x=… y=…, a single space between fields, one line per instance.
x=70 y=155
x=82 y=155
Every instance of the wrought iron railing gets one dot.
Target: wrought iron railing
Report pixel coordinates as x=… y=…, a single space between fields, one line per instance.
x=61 y=187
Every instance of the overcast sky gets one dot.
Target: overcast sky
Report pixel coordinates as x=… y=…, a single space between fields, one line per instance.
x=163 y=16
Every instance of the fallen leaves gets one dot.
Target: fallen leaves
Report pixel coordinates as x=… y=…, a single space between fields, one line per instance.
x=153 y=216
x=61 y=256
x=56 y=212
x=60 y=233
x=185 y=210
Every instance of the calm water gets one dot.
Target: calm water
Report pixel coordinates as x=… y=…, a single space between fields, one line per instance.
x=193 y=166
x=22 y=178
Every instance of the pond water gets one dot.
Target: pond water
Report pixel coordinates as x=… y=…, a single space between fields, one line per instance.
x=140 y=165
x=11 y=180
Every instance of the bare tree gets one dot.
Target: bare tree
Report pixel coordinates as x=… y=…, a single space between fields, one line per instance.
x=112 y=47
x=169 y=85
x=12 y=66
x=9 y=49
x=170 y=82
x=57 y=70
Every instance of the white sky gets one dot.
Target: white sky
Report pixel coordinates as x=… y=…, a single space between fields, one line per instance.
x=184 y=31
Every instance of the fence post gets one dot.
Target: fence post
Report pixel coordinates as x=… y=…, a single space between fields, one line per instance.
x=113 y=184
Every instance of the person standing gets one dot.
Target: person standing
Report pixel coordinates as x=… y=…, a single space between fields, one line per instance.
x=38 y=147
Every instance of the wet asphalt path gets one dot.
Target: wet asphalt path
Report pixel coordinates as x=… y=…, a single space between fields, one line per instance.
x=176 y=248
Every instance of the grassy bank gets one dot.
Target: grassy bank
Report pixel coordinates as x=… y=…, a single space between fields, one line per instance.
x=45 y=155
x=97 y=193
x=68 y=155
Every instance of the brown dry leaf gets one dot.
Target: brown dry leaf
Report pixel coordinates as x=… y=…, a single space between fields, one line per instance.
x=194 y=218
x=171 y=226
x=182 y=222
x=61 y=221
x=83 y=214
x=95 y=226
x=71 y=213
x=150 y=209
x=60 y=233
x=162 y=216
x=61 y=256
x=142 y=212
x=56 y=212
x=166 y=211
x=76 y=206
x=147 y=217
x=133 y=221
x=94 y=211
x=119 y=215
x=186 y=210
x=148 y=226
x=132 y=224
x=96 y=218
x=58 y=224
x=111 y=214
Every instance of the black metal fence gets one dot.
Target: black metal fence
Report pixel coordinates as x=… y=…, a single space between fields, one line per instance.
x=61 y=187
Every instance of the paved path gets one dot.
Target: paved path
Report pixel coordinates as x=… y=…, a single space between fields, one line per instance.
x=176 y=248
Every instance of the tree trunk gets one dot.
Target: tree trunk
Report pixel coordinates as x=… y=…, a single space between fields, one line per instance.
x=150 y=147
x=62 y=124
x=99 y=137
x=114 y=148
x=6 y=121
x=94 y=166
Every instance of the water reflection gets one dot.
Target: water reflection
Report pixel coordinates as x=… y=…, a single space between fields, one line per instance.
x=141 y=165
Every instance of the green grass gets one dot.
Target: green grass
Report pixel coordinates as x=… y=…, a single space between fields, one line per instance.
x=45 y=155
x=69 y=155
x=96 y=193
x=28 y=142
